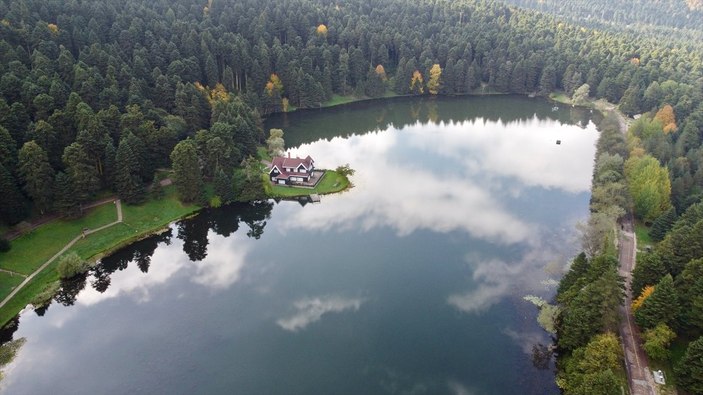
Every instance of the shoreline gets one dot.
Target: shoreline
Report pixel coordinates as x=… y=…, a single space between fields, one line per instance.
x=99 y=244
x=46 y=277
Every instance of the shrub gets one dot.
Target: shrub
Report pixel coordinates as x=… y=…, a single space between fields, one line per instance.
x=345 y=170
x=215 y=202
x=71 y=265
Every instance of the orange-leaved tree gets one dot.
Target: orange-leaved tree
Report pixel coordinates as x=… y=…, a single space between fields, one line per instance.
x=646 y=292
x=416 y=82
x=667 y=117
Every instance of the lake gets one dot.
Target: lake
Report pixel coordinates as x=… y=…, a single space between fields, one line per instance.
x=411 y=282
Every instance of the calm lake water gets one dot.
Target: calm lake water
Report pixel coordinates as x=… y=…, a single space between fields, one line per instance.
x=409 y=283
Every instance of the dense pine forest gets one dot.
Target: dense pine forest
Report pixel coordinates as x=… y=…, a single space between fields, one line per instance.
x=96 y=95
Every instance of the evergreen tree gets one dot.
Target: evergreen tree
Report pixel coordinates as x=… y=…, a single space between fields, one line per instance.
x=128 y=184
x=65 y=200
x=37 y=175
x=649 y=271
x=187 y=173
x=660 y=307
x=689 y=287
x=578 y=269
x=8 y=149
x=12 y=206
x=548 y=81
x=663 y=224
x=223 y=187
x=109 y=164
x=80 y=168
x=689 y=371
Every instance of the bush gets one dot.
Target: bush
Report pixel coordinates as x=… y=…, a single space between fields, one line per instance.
x=215 y=201
x=657 y=341
x=345 y=170
x=4 y=245
x=70 y=265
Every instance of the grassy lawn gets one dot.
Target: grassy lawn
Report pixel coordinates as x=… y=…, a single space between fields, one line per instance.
x=138 y=221
x=643 y=238
x=331 y=182
x=8 y=282
x=339 y=99
x=560 y=97
x=33 y=249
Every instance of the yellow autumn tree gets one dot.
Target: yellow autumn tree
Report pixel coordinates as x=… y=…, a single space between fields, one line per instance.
x=416 y=83
x=667 y=117
x=381 y=72
x=53 y=28
x=321 y=30
x=434 y=82
x=274 y=84
x=217 y=94
x=646 y=292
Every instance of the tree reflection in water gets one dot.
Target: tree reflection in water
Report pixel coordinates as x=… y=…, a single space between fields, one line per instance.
x=70 y=288
x=140 y=252
x=193 y=231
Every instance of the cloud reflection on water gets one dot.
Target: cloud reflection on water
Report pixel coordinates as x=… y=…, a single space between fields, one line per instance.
x=221 y=268
x=310 y=310
x=448 y=177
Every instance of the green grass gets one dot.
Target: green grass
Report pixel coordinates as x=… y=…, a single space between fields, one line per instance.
x=33 y=249
x=138 y=221
x=339 y=99
x=643 y=238
x=560 y=97
x=8 y=282
x=331 y=182
x=678 y=349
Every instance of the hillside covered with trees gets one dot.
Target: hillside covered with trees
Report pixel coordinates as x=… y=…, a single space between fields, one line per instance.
x=96 y=95
x=79 y=79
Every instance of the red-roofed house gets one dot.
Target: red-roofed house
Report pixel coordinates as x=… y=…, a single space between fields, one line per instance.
x=291 y=170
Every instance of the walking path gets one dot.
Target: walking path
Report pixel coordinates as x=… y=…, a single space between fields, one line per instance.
x=636 y=362
x=29 y=278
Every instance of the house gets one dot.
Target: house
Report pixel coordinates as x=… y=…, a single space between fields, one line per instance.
x=287 y=170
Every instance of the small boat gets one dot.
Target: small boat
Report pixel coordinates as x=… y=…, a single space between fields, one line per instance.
x=555 y=108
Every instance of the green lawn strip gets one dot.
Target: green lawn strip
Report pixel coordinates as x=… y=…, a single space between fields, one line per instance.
x=33 y=249
x=331 y=182
x=27 y=294
x=643 y=238
x=8 y=282
x=139 y=221
x=339 y=99
x=560 y=97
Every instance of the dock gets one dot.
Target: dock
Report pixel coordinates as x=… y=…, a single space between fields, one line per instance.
x=315 y=198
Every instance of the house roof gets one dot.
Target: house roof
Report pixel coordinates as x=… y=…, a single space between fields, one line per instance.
x=281 y=162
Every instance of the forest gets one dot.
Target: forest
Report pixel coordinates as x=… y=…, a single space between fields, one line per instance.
x=97 y=95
